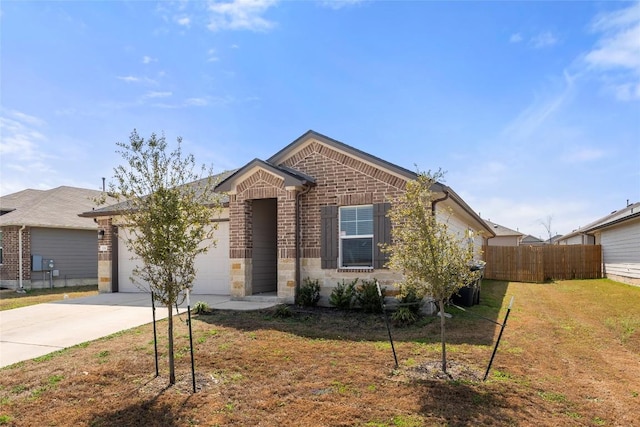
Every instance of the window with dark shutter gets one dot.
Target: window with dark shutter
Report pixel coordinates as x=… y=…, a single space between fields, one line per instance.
x=381 y=233
x=344 y=238
x=329 y=237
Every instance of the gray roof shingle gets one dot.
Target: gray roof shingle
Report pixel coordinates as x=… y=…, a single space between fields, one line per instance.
x=55 y=208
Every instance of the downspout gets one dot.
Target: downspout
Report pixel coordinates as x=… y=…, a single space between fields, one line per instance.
x=306 y=189
x=21 y=287
x=434 y=202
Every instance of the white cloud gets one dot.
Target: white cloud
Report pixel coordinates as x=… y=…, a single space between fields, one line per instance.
x=584 y=154
x=617 y=53
x=156 y=94
x=544 y=39
x=515 y=38
x=22 y=148
x=135 y=79
x=211 y=56
x=240 y=15
x=183 y=21
x=148 y=60
x=339 y=4
x=197 y=102
x=539 y=112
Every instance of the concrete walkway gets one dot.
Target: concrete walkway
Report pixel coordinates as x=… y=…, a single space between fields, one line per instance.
x=36 y=330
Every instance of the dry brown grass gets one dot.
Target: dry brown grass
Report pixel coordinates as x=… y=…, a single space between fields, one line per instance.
x=570 y=355
x=10 y=299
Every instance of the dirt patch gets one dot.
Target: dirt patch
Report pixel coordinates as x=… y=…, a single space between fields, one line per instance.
x=569 y=356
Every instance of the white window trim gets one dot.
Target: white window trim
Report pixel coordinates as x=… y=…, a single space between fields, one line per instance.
x=358 y=236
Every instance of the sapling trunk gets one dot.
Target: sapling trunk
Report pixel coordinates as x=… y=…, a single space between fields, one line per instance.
x=172 y=371
x=442 y=335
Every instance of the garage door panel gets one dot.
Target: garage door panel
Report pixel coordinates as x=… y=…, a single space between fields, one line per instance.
x=212 y=268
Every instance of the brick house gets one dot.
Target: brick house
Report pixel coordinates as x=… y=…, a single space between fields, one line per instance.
x=315 y=209
x=43 y=242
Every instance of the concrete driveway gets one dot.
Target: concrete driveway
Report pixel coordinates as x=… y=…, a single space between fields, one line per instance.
x=36 y=330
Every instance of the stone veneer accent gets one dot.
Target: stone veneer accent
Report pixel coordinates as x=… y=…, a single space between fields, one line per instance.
x=261 y=185
x=105 y=261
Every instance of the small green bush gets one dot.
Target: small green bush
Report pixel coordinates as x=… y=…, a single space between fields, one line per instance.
x=409 y=305
x=343 y=295
x=368 y=298
x=201 y=307
x=408 y=296
x=282 y=311
x=309 y=293
x=404 y=316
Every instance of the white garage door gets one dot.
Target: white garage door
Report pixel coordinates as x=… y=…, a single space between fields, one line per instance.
x=212 y=268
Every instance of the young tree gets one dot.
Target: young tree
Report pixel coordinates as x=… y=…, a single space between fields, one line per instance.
x=546 y=223
x=168 y=212
x=433 y=259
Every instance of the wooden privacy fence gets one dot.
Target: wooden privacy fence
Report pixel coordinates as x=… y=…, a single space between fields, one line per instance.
x=540 y=263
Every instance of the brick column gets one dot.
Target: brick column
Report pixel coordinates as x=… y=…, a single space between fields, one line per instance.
x=287 y=245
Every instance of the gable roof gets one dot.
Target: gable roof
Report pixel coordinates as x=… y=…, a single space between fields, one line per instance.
x=502 y=231
x=118 y=208
x=311 y=135
x=531 y=240
x=55 y=208
x=616 y=217
x=628 y=213
x=290 y=176
x=274 y=165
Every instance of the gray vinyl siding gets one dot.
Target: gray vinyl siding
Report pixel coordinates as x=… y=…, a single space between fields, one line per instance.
x=621 y=244
x=73 y=251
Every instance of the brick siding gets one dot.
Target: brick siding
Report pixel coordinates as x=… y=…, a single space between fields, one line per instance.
x=11 y=258
x=340 y=180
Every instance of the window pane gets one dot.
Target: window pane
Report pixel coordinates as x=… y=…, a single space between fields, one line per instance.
x=348 y=214
x=357 y=252
x=356 y=220
x=349 y=228
x=365 y=227
x=364 y=212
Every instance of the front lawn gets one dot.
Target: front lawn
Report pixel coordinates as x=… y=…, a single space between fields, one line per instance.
x=570 y=356
x=11 y=299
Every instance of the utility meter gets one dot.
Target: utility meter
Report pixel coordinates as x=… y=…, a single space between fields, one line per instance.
x=50 y=264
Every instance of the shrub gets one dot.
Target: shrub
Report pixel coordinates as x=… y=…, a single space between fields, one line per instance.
x=409 y=305
x=368 y=298
x=309 y=293
x=283 y=311
x=201 y=307
x=408 y=296
x=404 y=316
x=343 y=295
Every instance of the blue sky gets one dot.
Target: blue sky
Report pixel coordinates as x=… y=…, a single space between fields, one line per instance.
x=532 y=108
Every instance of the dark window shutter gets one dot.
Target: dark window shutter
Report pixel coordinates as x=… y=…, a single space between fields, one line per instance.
x=381 y=233
x=329 y=236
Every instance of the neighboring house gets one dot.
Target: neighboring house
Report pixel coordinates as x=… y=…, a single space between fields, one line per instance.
x=504 y=236
x=530 y=240
x=43 y=241
x=619 y=235
x=553 y=240
x=316 y=209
